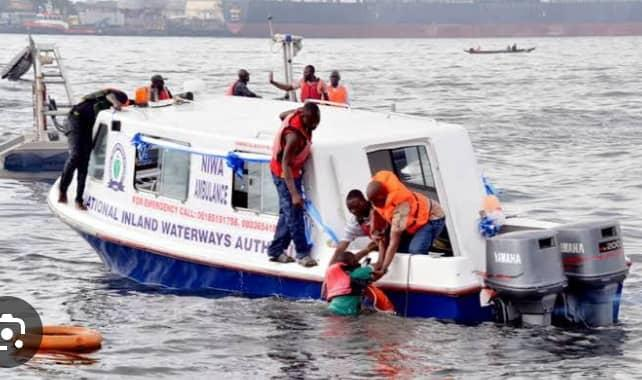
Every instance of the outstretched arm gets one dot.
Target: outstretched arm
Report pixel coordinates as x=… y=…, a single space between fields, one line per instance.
x=282 y=86
x=371 y=247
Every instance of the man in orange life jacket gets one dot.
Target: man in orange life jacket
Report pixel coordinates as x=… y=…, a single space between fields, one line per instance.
x=337 y=93
x=157 y=90
x=311 y=86
x=358 y=225
x=290 y=151
x=239 y=88
x=415 y=220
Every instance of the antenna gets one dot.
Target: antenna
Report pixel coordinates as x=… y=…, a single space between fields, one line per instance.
x=270 y=25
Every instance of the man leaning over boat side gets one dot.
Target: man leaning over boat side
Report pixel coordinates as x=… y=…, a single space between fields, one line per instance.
x=81 y=121
x=414 y=219
x=358 y=225
x=311 y=86
x=290 y=152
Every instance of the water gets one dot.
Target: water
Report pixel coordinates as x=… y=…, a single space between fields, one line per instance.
x=557 y=130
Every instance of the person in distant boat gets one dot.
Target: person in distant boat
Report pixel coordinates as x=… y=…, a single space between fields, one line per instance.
x=358 y=225
x=415 y=220
x=290 y=152
x=337 y=93
x=310 y=86
x=514 y=47
x=239 y=88
x=80 y=123
x=157 y=90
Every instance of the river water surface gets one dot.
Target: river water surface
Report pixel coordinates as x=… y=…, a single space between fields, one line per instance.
x=558 y=130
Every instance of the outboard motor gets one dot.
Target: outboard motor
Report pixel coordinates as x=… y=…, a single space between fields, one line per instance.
x=595 y=265
x=525 y=271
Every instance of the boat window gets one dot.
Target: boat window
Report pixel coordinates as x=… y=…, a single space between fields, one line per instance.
x=174 y=174
x=255 y=190
x=98 y=154
x=410 y=164
x=162 y=171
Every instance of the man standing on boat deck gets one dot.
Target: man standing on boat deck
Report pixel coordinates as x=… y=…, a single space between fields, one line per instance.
x=239 y=88
x=358 y=225
x=311 y=86
x=289 y=154
x=415 y=220
x=81 y=121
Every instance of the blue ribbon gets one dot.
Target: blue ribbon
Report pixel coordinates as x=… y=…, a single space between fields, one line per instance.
x=488 y=228
x=141 y=146
x=316 y=217
x=488 y=186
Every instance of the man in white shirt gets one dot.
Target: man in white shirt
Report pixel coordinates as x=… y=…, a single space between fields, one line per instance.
x=358 y=225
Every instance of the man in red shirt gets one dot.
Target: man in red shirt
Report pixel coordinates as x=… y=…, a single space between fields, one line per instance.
x=311 y=86
x=290 y=152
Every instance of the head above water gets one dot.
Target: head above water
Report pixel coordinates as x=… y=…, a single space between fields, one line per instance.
x=158 y=81
x=377 y=193
x=308 y=73
x=310 y=115
x=335 y=77
x=244 y=76
x=347 y=258
x=357 y=204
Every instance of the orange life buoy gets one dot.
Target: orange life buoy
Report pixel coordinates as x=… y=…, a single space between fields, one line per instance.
x=70 y=339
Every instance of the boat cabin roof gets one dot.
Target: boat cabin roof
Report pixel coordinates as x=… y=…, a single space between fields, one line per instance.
x=225 y=117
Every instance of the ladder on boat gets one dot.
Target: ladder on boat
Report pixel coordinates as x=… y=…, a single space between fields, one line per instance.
x=49 y=71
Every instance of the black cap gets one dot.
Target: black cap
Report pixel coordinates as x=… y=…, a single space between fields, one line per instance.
x=120 y=96
x=158 y=78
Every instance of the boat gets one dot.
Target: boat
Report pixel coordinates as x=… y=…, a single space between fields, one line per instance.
x=18 y=66
x=435 y=19
x=41 y=153
x=499 y=51
x=181 y=197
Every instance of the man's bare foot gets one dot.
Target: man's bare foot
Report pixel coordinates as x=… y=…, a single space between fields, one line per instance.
x=62 y=198
x=81 y=206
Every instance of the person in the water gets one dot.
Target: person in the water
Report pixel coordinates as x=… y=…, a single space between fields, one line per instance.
x=345 y=283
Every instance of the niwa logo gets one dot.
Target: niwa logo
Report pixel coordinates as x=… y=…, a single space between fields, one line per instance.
x=117 y=165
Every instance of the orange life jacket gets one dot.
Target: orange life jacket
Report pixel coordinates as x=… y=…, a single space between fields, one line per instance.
x=293 y=122
x=337 y=282
x=380 y=301
x=338 y=94
x=398 y=193
x=311 y=90
x=142 y=96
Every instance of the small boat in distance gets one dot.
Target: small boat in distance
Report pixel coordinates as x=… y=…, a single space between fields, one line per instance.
x=501 y=51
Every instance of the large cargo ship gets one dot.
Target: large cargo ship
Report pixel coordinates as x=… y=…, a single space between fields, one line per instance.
x=425 y=18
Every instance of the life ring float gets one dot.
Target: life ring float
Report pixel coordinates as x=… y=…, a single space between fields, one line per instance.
x=70 y=339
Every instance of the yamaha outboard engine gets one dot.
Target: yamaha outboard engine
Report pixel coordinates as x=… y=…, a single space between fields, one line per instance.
x=595 y=265
x=525 y=271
